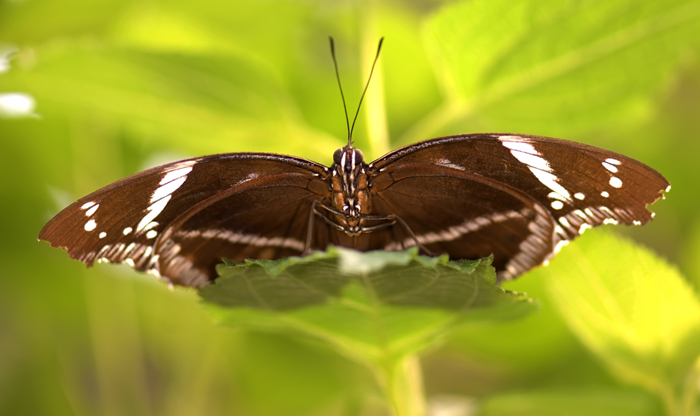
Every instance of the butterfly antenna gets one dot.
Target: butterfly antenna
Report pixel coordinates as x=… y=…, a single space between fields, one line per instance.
x=340 y=86
x=371 y=71
x=337 y=76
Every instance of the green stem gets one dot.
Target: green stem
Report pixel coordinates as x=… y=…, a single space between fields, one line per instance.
x=402 y=382
x=374 y=108
x=669 y=400
x=683 y=401
x=690 y=391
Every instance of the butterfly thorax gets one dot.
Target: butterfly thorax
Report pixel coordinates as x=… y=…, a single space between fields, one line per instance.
x=350 y=197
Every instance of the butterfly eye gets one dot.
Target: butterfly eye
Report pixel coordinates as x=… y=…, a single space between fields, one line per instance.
x=359 y=157
x=337 y=155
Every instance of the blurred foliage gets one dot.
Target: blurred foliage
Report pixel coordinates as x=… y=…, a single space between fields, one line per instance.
x=123 y=85
x=635 y=313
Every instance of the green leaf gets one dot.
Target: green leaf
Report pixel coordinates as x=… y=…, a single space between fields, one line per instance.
x=540 y=64
x=633 y=310
x=581 y=401
x=219 y=98
x=399 y=305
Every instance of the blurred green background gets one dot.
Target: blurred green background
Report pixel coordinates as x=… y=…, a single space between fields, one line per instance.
x=123 y=85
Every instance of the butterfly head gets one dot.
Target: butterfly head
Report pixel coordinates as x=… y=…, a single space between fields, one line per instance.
x=347 y=159
x=348 y=167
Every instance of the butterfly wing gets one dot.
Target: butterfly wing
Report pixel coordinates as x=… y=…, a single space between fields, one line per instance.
x=518 y=197
x=180 y=219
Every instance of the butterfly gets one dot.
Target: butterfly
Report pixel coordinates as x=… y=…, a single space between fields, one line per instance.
x=517 y=197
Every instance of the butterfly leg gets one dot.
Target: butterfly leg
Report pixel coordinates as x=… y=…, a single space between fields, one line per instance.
x=326 y=219
x=392 y=220
x=310 y=229
x=415 y=239
x=388 y=221
x=314 y=212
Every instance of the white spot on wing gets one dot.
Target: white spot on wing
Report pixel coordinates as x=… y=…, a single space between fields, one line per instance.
x=532 y=250
x=104 y=249
x=153 y=211
x=241 y=238
x=580 y=196
x=254 y=175
x=170 y=182
x=559 y=245
x=448 y=163
x=613 y=161
x=560 y=230
x=611 y=168
x=151 y=234
x=178 y=173
x=127 y=230
x=90 y=225
x=155 y=273
x=168 y=188
x=149 y=226
x=129 y=248
x=557 y=204
x=456 y=231
x=517 y=143
x=103 y=234
x=555 y=195
x=550 y=181
x=533 y=161
x=615 y=182
x=604 y=194
x=527 y=154
x=92 y=210
x=87 y=205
